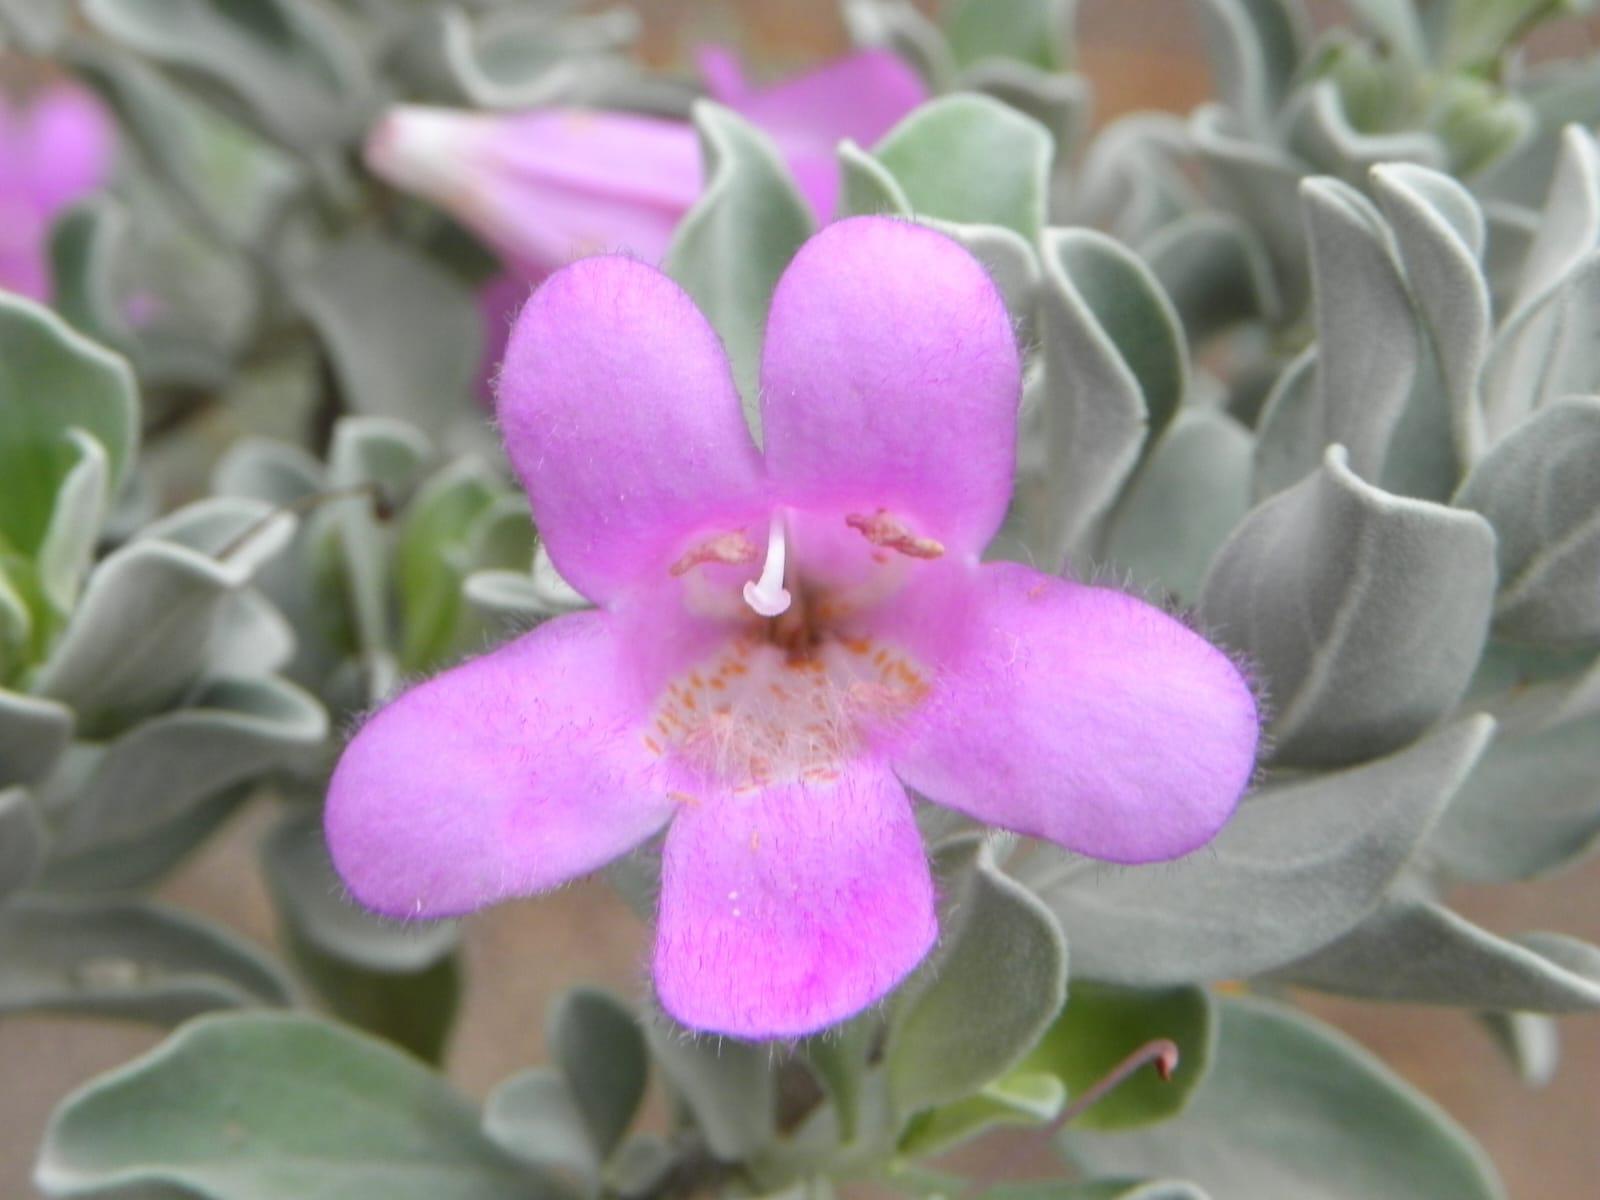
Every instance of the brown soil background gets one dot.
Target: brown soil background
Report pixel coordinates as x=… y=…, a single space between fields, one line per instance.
x=1546 y=1143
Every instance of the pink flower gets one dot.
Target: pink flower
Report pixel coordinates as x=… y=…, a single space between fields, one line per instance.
x=54 y=150
x=544 y=185
x=785 y=642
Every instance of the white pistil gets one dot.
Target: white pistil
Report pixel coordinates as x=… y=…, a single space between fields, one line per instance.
x=767 y=595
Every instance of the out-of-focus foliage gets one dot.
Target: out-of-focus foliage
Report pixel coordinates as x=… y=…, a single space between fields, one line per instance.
x=1314 y=363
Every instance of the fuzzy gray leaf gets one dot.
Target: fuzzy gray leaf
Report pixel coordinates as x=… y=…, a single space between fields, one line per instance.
x=1299 y=865
x=1368 y=343
x=404 y=336
x=126 y=958
x=1440 y=233
x=1005 y=958
x=1189 y=495
x=1540 y=490
x=1419 y=952
x=1363 y=613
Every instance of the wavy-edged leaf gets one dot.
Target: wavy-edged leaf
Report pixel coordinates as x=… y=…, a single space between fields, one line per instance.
x=1540 y=490
x=1299 y=865
x=1115 y=370
x=1059 y=100
x=596 y=1041
x=142 y=633
x=1556 y=278
x=1037 y=32
x=55 y=380
x=1323 y=131
x=289 y=64
x=973 y=160
x=1262 y=185
x=1369 y=346
x=1362 y=613
x=1019 y=1097
x=431 y=560
x=231 y=731
x=534 y=1117
x=301 y=1105
x=1532 y=804
x=526 y=56
x=1419 y=952
x=1440 y=233
x=1189 y=495
x=404 y=336
x=33 y=733
x=1003 y=956
x=1213 y=267
x=1255 y=48
x=127 y=958
x=726 y=1086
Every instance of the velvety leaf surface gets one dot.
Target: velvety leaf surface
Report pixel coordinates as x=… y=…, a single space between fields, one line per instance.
x=973 y=160
x=1186 y=499
x=726 y=1085
x=288 y=62
x=1115 y=367
x=596 y=1040
x=53 y=381
x=1003 y=956
x=1541 y=492
x=1420 y=952
x=259 y=1107
x=1299 y=865
x=126 y=958
x=1362 y=613
x=231 y=731
x=534 y=1116
x=404 y=336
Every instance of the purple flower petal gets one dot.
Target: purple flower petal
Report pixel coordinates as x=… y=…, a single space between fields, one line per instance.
x=789 y=909
x=1078 y=714
x=621 y=417
x=860 y=97
x=722 y=73
x=64 y=147
x=548 y=184
x=891 y=379
x=510 y=774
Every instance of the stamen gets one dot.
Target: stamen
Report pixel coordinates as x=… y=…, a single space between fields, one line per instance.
x=732 y=548
x=767 y=595
x=883 y=528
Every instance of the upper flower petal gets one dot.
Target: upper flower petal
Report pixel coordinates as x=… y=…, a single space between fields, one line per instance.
x=510 y=774
x=891 y=379
x=620 y=415
x=789 y=909
x=1078 y=714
